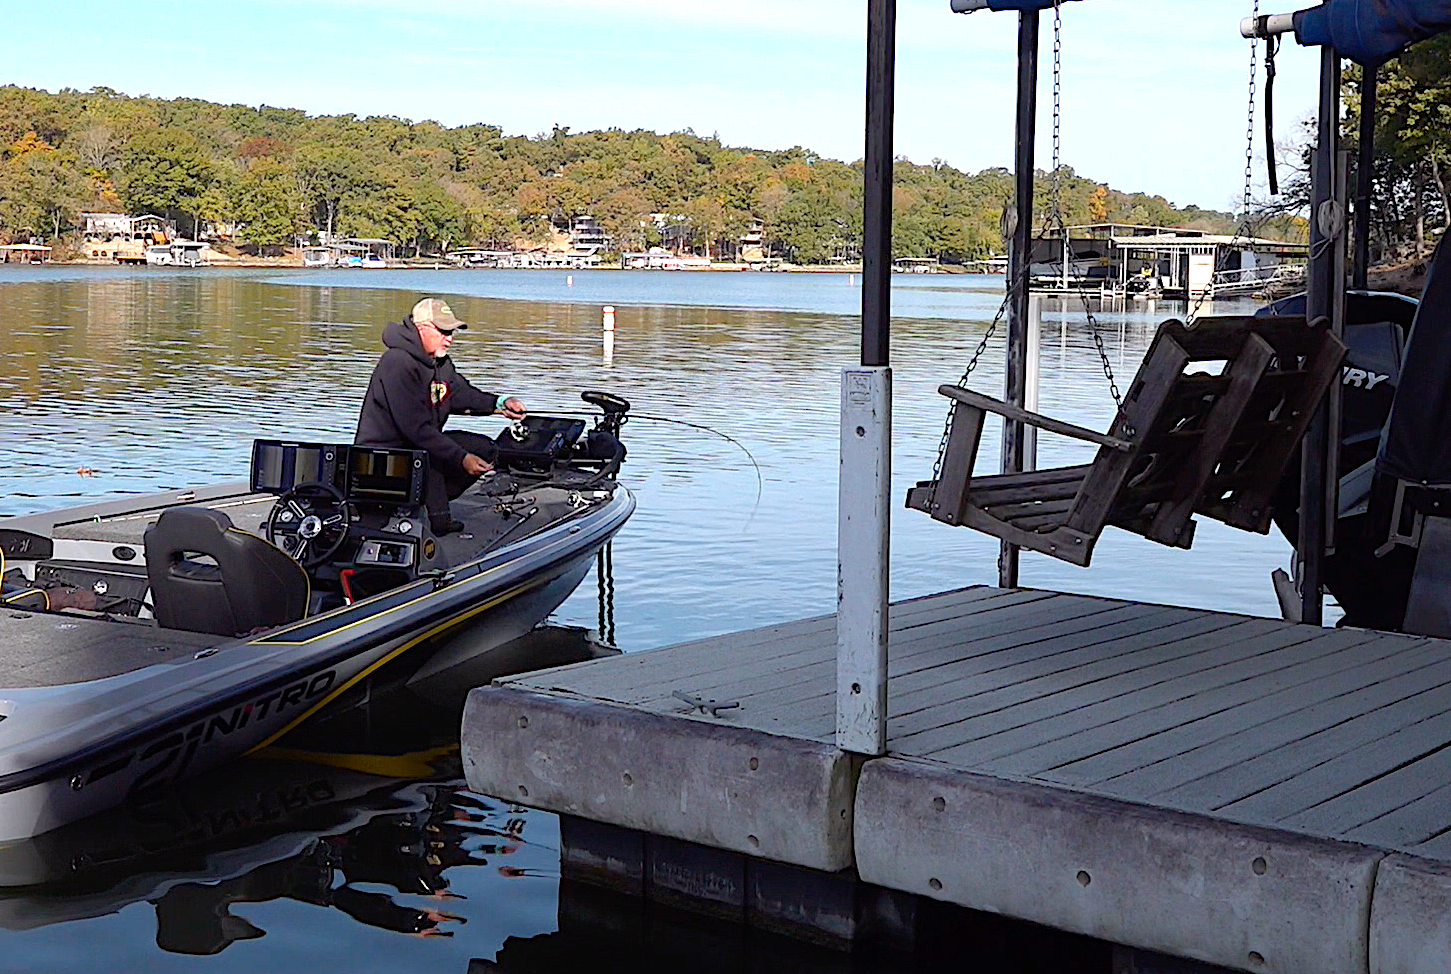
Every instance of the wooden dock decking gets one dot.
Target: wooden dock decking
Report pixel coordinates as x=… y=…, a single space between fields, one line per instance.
x=1248 y=792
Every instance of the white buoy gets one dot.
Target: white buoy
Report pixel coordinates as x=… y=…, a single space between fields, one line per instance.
x=569 y=281
x=609 y=325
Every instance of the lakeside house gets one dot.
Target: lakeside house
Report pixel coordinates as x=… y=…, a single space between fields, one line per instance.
x=122 y=238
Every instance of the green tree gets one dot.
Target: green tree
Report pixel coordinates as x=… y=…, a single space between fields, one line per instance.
x=42 y=189
x=165 y=171
x=268 y=203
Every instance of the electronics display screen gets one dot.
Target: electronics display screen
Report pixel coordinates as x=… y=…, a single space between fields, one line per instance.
x=278 y=467
x=384 y=475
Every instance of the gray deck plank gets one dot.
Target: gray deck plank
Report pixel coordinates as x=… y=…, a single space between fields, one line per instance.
x=1436 y=847
x=1161 y=734
x=1424 y=817
x=1345 y=772
x=1010 y=663
x=774 y=645
x=1245 y=778
x=1346 y=813
x=699 y=670
x=1267 y=663
x=1313 y=708
x=927 y=647
x=1057 y=681
x=937 y=729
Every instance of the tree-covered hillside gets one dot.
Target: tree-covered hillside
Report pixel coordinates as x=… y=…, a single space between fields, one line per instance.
x=271 y=172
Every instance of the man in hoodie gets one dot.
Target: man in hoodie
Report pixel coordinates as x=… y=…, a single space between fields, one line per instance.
x=413 y=391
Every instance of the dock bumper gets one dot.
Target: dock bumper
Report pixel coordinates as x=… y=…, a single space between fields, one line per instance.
x=1233 y=895
x=696 y=779
x=1410 y=927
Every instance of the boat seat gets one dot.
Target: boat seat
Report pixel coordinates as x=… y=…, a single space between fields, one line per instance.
x=246 y=583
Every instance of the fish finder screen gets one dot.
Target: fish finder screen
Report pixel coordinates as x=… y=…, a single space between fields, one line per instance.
x=279 y=467
x=381 y=475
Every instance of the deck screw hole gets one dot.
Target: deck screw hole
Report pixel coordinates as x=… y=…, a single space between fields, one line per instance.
x=935 y=883
x=861 y=431
x=755 y=763
x=843 y=813
x=523 y=792
x=1083 y=878
x=939 y=804
x=856 y=688
x=629 y=779
x=523 y=722
x=1259 y=865
x=755 y=842
x=1256 y=958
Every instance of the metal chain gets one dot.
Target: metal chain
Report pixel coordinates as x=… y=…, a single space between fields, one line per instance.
x=1058 y=199
x=1057 y=112
x=1055 y=216
x=1242 y=227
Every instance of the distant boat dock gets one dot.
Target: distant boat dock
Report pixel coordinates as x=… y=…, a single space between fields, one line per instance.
x=1253 y=793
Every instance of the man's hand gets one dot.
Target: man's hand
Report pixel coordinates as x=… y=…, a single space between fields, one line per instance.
x=514 y=408
x=475 y=466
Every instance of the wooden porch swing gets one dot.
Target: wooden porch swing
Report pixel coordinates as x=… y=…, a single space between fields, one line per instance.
x=1185 y=441
x=1207 y=427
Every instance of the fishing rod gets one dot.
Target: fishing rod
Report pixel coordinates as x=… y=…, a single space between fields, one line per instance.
x=760 y=480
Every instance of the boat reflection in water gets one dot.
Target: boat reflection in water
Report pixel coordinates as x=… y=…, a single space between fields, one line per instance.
x=362 y=812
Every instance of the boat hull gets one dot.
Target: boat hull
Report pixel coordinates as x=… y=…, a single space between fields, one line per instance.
x=70 y=751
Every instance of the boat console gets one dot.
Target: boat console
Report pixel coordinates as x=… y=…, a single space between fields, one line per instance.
x=342 y=510
x=355 y=516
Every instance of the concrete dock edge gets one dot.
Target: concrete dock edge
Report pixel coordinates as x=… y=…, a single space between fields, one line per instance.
x=1233 y=895
x=1410 y=921
x=700 y=780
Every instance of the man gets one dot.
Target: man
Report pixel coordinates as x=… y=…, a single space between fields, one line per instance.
x=413 y=391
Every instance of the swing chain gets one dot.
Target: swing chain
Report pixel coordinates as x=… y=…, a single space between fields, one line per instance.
x=1243 y=226
x=1058 y=202
x=1057 y=111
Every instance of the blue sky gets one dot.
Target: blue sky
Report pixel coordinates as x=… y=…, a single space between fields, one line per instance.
x=1154 y=90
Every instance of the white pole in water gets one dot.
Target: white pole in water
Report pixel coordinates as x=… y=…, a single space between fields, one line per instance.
x=569 y=281
x=609 y=325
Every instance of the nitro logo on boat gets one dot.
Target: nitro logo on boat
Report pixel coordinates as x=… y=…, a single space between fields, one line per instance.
x=437 y=391
x=167 y=758
x=1362 y=379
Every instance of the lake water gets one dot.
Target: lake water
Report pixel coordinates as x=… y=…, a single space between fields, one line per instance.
x=115 y=381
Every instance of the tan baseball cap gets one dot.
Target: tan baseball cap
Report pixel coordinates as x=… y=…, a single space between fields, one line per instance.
x=436 y=312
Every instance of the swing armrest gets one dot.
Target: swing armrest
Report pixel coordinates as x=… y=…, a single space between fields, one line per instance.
x=969 y=398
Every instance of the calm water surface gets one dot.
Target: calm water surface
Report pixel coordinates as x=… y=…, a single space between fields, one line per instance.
x=115 y=381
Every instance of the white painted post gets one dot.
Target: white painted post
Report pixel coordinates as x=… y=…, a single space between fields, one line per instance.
x=569 y=281
x=609 y=326
x=1031 y=378
x=863 y=559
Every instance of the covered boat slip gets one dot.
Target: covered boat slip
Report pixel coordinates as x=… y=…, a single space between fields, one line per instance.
x=1257 y=794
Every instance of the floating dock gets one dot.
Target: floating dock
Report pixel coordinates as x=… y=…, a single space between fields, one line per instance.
x=1247 y=792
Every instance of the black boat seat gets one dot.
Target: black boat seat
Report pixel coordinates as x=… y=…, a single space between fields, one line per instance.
x=246 y=583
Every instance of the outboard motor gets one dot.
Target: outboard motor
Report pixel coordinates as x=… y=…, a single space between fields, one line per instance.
x=1395 y=406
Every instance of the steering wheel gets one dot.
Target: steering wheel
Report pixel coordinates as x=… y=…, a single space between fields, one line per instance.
x=309 y=522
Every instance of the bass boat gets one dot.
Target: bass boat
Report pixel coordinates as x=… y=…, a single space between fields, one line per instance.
x=148 y=639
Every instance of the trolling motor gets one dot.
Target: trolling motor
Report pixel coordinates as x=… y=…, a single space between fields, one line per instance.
x=551 y=447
